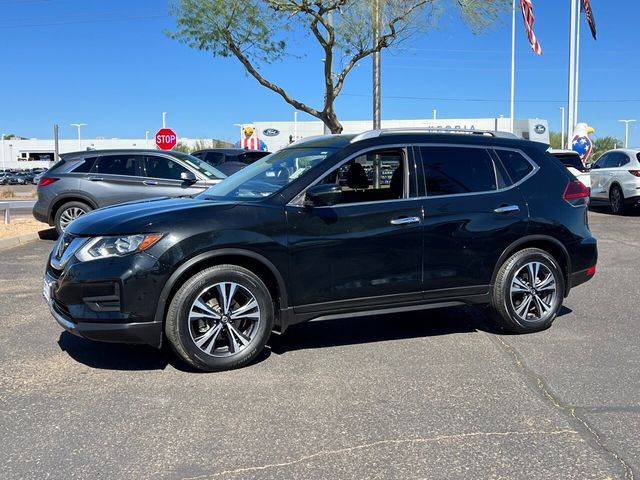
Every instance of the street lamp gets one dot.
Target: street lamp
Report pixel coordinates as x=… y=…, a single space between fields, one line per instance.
x=3 y=163
x=79 y=126
x=562 y=145
x=626 y=131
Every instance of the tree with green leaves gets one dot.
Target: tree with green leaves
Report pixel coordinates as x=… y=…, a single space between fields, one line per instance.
x=555 y=140
x=260 y=32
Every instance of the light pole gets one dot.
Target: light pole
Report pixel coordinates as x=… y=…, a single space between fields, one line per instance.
x=79 y=126
x=146 y=139
x=3 y=164
x=164 y=119
x=562 y=145
x=626 y=131
x=435 y=113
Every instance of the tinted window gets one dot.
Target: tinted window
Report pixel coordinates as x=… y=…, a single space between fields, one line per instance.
x=602 y=161
x=160 y=167
x=624 y=159
x=85 y=165
x=116 y=165
x=374 y=176
x=213 y=158
x=516 y=165
x=456 y=170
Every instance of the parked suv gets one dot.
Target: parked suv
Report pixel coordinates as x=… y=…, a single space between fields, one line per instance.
x=464 y=219
x=229 y=160
x=615 y=180
x=83 y=181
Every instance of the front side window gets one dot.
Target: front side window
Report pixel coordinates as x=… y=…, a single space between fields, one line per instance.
x=458 y=170
x=123 y=164
x=269 y=175
x=160 y=167
x=200 y=165
x=373 y=176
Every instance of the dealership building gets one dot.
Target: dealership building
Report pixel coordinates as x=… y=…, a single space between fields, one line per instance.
x=40 y=153
x=279 y=134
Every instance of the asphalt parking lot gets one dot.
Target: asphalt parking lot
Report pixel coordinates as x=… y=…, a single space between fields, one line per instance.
x=438 y=394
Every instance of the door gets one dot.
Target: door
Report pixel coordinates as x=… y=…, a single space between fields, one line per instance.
x=602 y=173
x=162 y=178
x=472 y=213
x=114 y=179
x=365 y=250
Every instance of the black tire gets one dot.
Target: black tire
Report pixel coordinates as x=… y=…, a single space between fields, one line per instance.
x=186 y=323
x=509 y=307
x=616 y=200
x=67 y=210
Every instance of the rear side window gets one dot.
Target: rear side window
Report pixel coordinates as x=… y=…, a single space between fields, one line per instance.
x=516 y=165
x=458 y=170
x=214 y=158
x=116 y=165
x=85 y=165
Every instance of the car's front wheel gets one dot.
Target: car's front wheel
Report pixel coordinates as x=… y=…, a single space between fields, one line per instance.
x=220 y=319
x=528 y=291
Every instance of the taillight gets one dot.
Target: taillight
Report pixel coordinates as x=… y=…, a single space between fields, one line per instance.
x=635 y=173
x=575 y=190
x=591 y=271
x=44 y=181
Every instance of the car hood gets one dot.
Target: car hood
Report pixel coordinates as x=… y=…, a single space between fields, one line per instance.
x=146 y=216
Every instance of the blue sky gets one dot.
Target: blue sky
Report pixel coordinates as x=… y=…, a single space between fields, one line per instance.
x=110 y=65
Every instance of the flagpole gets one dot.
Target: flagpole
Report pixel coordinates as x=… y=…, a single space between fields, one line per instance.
x=577 y=87
x=572 y=72
x=513 y=66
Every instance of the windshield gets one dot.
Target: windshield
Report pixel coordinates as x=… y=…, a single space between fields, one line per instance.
x=200 y=165
x=269 y=174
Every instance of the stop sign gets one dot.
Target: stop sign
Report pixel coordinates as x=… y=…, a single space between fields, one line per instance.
x=166 y=139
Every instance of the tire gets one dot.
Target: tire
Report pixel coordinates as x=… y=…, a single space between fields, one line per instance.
x=206 y=336
x=516 y=304
x=616 y=200
x=67 y=213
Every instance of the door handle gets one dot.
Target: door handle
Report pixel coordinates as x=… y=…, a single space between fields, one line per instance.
x=405 y=220
x=507 y=209
x=96 y=179
x=149 y=182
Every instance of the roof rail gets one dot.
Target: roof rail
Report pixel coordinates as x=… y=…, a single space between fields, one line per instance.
x=383 y=131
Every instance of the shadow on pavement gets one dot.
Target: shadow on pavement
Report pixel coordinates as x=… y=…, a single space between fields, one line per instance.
x=48 y=234
x=310 y=335
x=113 y=356
x=378 y=328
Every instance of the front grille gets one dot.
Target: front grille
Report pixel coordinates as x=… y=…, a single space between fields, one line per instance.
x=65 y=248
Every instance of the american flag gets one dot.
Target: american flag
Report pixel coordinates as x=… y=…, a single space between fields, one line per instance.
x=586 y=8
x=527 y=14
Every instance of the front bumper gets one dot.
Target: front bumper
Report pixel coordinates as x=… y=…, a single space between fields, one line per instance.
x=111 y=300
x=149 y=333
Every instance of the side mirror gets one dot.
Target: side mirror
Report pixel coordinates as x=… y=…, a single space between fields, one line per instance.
x=594 y=166
x=188 y=177
x=325 y=194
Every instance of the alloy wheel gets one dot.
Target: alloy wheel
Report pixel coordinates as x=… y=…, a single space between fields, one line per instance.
x=224 y=319
x=69 y=215
x=533 y=291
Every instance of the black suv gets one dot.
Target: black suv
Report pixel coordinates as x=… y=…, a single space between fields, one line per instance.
x=464 y=219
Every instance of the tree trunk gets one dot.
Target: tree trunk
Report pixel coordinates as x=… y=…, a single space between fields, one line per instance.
x=330 y=119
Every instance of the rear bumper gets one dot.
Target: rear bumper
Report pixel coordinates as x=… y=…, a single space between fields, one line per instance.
x=41 y=213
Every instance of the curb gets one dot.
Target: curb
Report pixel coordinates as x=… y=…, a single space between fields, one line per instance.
x=11 y=242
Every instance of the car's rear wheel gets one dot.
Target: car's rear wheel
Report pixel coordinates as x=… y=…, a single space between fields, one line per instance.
x=528 y=292
x=220 y=319
x=67 y=213
x=616 y=200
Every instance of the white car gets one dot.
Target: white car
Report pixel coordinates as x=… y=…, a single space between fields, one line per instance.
x=615 y=180
x=573 y=162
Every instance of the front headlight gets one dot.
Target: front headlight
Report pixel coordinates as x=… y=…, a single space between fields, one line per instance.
x=105 y=247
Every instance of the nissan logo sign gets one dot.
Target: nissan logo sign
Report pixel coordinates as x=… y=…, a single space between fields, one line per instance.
x=271 y=132
x=539 y=129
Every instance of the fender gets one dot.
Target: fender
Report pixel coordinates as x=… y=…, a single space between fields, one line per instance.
x=72 y=195
x=166 y=290
x=528 y=239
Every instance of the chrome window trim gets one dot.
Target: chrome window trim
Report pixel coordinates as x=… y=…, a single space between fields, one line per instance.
x=298 y=200
x=488 y=148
